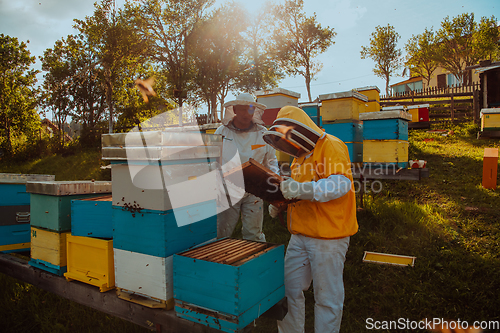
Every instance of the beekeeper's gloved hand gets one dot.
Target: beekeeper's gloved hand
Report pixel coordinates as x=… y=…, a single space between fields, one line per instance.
x=292 y=189
x=273 y=211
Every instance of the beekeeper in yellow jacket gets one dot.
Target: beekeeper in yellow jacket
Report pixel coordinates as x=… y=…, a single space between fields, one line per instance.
x=321 y=221
x=243 y=132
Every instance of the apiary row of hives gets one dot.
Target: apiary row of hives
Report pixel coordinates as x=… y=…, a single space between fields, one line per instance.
x=132 y=234
x=374 y=137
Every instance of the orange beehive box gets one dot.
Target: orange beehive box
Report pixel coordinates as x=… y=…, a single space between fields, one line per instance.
x=490 y=166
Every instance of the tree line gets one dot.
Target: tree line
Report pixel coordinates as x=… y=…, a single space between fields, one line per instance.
x=461 y=41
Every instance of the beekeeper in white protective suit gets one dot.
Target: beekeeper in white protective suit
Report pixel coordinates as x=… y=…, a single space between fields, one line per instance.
x=242 y=130
x=321 y=221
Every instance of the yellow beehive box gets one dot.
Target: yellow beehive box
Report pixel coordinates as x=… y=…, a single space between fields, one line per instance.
x=344 y=105
x=490 y=119
x=373 y=95
x=386 y=152
x=48 y=246
x=90 y=260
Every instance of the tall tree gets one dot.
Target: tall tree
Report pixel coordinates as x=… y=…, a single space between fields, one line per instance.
x=421 y=54
x=58 y=84
x=298 y=39
x=169 y=24
x=217 y=48
x=464 y=42
x=18 y=94
x=261 y=69
x=384 y=51
x=116 y=44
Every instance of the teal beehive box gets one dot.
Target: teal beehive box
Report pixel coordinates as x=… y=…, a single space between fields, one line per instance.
x=229 y=283
x=164 y=233
x=386 y=125
x=350 y=131
x=92 y=217
x=51 y=201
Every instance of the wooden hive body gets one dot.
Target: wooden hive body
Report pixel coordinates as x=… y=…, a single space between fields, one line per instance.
x=228 y=283
x=385 y=129
x=373 y=95
x=48 y=250
x=92 y=217
x=345 y=105
x=90 y=260
x=490 y=119
x=146 y=276
x=51 y=201
x=350 y=131
x=15 y=211
x=380 y=153
x=156 y=233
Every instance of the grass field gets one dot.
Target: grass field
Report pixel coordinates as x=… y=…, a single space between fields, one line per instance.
x=447 y=221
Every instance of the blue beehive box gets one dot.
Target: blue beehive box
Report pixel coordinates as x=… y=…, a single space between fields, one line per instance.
x=351 y=131
x=157 y=233
x=386 y=125
x=229 y=283
x=385 y=129
x=92 y=217
x=15 y=211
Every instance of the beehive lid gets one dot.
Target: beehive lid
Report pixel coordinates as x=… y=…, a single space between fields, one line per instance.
x=394 y=114
x=344 y=94
x=18 y=178
x=265 y=93
x=229 y=251
x=419 y=106
x=68 y=187
x=160 y=138
x=392 y=108
x=368 y=88
x=490 y=111
x=160 y=145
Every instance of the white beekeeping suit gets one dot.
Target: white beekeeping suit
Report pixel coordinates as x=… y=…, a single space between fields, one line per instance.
x=239 y=145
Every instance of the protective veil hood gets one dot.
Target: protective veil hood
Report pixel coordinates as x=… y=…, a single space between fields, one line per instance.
x=293 y=132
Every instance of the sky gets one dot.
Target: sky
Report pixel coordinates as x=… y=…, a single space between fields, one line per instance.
x=43 y=22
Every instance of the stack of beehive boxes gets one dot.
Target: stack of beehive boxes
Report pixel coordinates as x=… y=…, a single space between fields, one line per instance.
x=340 y=114
x=372 y=93
x=163 y=202
x=51 y=219
x=385 y=138
x=274 y=100
x=15 y=211
x=90 y=245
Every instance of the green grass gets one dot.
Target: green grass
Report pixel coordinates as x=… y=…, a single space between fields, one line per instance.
x=447 y=221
